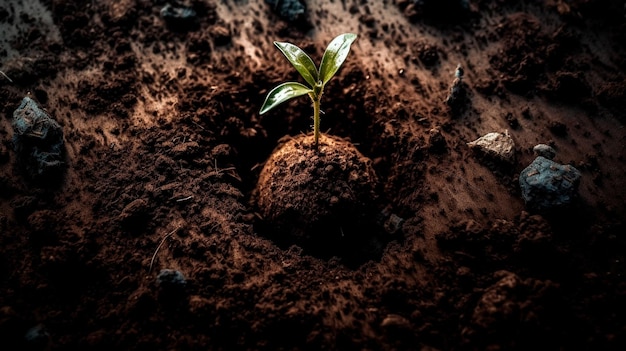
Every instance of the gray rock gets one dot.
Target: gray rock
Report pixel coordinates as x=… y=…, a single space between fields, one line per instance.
x=498 y=145
x=179 y=17
x=547 y=185
x=457 y=93
x=394 y=224
x=177 y=13
x=172 y=290
x=545 y=151
x=289 y=10
x=37 y=338
x=171 y=279
x=391 y=222
x=38 y=140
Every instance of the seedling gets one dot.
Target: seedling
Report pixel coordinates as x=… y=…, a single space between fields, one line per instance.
x=333 y=58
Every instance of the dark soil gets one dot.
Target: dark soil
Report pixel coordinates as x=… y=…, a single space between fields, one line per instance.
x=321 y=196
x=164 y=146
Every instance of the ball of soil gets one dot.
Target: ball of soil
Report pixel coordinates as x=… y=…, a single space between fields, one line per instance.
x=310 y=194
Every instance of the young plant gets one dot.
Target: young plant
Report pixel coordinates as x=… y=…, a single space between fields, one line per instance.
x=333 y=58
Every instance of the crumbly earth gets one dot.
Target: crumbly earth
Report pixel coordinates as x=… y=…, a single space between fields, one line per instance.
x=322 y=197
x=164 y=145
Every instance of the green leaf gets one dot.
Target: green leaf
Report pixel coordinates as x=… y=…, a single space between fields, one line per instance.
x=283 y=93
x=335 y=54
x=300 y=60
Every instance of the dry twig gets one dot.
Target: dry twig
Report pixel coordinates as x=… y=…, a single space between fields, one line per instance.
x=158 y=247
x=7 y=77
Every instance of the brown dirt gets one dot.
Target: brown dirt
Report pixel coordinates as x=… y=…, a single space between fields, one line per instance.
x=164 y=145
x=321 y=196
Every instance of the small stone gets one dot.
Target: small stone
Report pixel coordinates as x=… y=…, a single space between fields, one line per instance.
x=38 y=139
x=289 y=10
x=545 y=151
x=547 y=185
x=179 y=17
x=171 y=279
x=457 y=94
x=37 y=338
x=498 y=145
x=177 y=13
x=393 y=224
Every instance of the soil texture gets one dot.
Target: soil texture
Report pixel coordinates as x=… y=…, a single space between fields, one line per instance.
x=149 y=233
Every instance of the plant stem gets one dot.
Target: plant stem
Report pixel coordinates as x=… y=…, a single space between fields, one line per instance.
x=316 y=120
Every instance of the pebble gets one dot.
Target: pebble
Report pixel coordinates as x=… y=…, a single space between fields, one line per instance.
x=38 y=139
x=545 y=151
x=170 y=278
x=37 y=338
x=547 y=185
x=177 y=13
x=289 y=10
x=499 y=145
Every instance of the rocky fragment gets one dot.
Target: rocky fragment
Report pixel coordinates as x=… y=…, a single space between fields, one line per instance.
x=289 y=10
x=391 y=222
x=457 y=94
x=172 y=284
x=37 y=338
x=179 y=17
x=545 y=151
x=38 y=141
x=169 y=278
x=394 y=224
x=547 y=185
x=498 y=145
